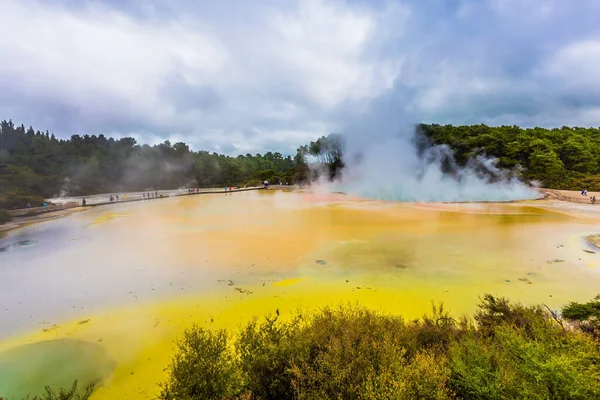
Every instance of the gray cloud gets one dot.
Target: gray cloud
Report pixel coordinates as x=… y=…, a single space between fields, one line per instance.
x=241 y=76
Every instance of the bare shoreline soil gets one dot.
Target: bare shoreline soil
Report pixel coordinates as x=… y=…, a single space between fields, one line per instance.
x=19 y=222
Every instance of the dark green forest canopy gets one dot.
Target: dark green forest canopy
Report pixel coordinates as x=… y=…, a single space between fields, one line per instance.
x=35 y=165
x=561 y=158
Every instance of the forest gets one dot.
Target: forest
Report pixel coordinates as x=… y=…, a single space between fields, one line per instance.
x=35 y=165
x=558 y=158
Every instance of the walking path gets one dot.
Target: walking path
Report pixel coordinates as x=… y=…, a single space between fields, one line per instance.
x=572 y=196
x=163 y=195
x=104 y=199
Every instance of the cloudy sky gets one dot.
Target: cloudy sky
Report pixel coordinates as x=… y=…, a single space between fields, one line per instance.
x=248 y=76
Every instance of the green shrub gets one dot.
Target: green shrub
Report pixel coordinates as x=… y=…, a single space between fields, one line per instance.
x=357 y=353
x=585 y=315
x=493 y=312
x=582 y=311
x=203 y=368
x=64 y=394
x=4 y=216
x=508 y=351
x=342 y=351
x=16 y=200
x=521 y=352
x=511 y=365
x=265 y=351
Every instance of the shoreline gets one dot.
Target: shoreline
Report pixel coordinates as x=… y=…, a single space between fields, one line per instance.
x=21 y=222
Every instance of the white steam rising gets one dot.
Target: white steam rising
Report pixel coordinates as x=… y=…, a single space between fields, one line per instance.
x=393 y=170
x=383 y=161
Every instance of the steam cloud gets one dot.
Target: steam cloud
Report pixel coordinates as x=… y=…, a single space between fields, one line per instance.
x=386 y=159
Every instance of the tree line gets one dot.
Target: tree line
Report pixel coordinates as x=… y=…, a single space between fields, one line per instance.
x=560 y=158
x=35 y=165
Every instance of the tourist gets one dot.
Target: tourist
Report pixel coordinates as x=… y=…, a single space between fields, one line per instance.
x=112 y=198
x=593 y=199
x=117 y=197
x=83 y=203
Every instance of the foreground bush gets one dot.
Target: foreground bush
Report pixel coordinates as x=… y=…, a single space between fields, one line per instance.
x=507 y=351
x=586 y=316
x=203 y=367
x=63 y=394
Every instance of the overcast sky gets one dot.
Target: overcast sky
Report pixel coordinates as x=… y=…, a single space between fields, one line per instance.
x=250 y=76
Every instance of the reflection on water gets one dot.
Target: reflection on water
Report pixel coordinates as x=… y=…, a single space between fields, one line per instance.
x=140 y=273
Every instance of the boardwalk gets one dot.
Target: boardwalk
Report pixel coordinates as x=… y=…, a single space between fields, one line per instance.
x=162 y=195
x=104 y=199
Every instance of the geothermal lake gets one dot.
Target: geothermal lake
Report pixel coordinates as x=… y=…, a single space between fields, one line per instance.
x=101 y=294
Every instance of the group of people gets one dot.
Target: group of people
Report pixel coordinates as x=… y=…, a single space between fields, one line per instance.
x=584 y=192
x=150 y=194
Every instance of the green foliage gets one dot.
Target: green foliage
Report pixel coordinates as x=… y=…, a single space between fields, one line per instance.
x=582 y=311
x=64 y=394
x=585 y=315
x=264 y=352
x=12 y=199
x=37 y=164
x=357 y=353
x=562 y=158
x=552 y=364
x=34 y=163
x=494 y=311
x=203 y=368
x=508 y=351
x=4 y=216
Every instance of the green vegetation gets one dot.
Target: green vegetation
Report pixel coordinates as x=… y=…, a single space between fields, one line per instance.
x=36 y=165
x=63 y=394
x=4 y=217
x=506 y=351
x=561 y=158
x=586 y=316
